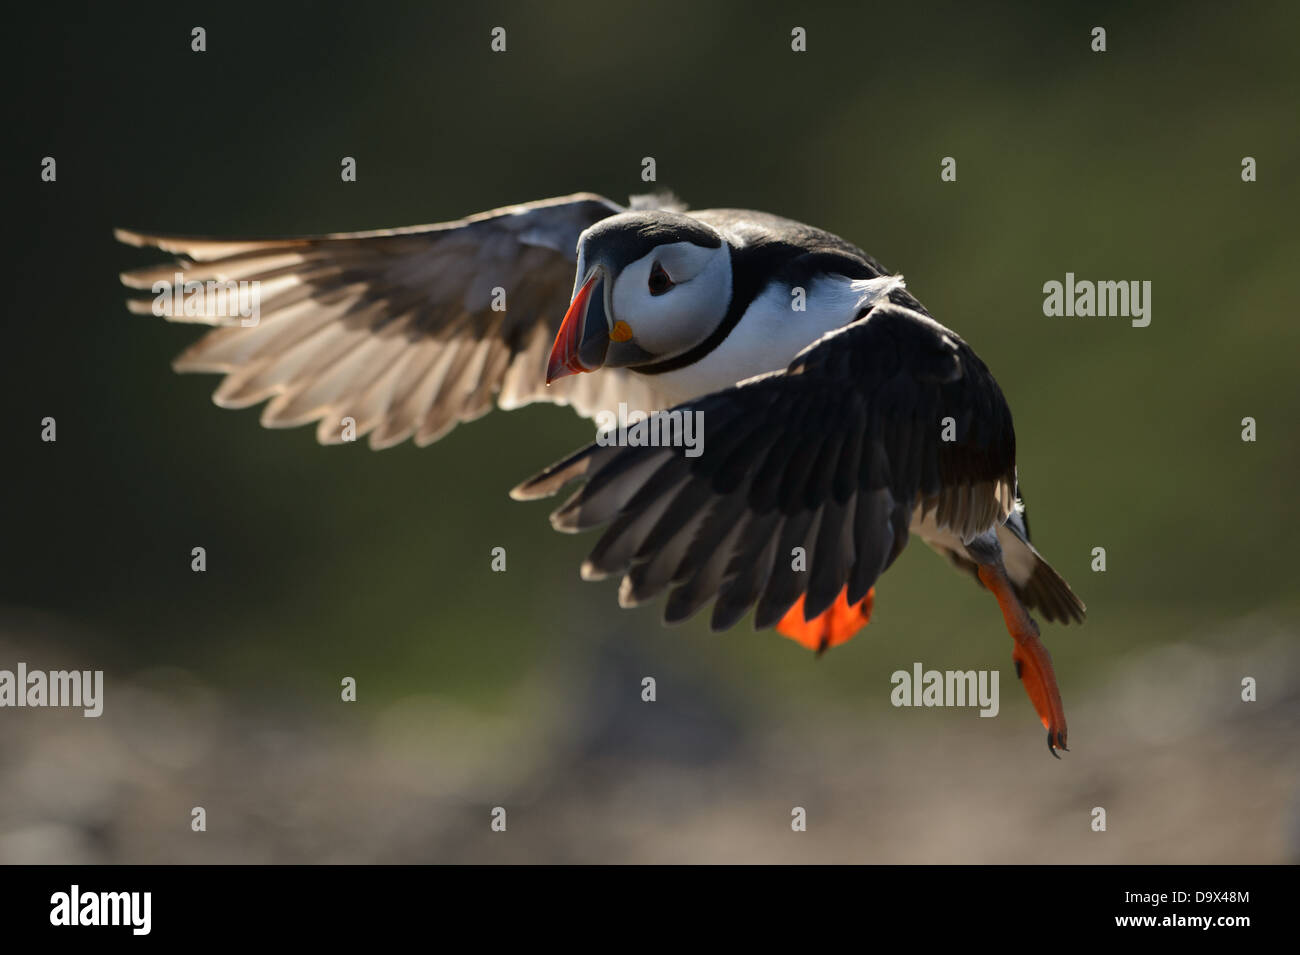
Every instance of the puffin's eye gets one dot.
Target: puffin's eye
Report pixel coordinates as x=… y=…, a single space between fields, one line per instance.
x=659 y=280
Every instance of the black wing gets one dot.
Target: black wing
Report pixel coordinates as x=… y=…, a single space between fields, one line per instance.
x=395 y=328
x=832 y=455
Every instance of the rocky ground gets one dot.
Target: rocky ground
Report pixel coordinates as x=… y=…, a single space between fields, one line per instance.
x=1185 y=771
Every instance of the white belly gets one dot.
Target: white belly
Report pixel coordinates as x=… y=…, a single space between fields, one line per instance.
x=771 y=333
x=1018 y=557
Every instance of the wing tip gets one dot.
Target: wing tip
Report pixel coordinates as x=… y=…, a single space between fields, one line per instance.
x=130 y=237
x=547 y=482
x=524 y=491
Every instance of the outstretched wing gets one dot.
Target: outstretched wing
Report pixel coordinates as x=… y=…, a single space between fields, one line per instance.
x=832 y=455
x=395 y=329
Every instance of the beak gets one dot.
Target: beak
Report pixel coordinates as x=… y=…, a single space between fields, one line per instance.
x=584 y=334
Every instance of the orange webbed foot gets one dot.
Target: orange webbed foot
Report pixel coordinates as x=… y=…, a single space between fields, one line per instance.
x=837 y=624
x=1033 y=662
x=1034 y=668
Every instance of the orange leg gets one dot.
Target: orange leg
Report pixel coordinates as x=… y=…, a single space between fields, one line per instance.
x=837 y=624
x=1033 y=662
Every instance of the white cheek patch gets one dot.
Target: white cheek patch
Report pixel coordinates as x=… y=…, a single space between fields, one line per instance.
x=681 y=317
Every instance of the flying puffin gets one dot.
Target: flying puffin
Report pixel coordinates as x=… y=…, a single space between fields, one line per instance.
x=838 y=416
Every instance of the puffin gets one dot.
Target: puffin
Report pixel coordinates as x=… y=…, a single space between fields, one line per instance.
x=837 y=418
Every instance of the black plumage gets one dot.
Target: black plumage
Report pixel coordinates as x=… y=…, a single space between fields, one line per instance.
x=833 y=454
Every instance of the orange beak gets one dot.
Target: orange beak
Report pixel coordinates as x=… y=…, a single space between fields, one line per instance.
x=583 y=338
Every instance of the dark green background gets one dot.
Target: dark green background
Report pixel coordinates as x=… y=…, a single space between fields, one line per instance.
x=325 y=562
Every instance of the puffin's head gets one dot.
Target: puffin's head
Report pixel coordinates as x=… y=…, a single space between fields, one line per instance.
x=650 y=285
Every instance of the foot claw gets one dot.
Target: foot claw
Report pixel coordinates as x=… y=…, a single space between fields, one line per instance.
x=1056 y=741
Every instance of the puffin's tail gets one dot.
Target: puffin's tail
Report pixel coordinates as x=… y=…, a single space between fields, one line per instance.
x=1037 y=584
